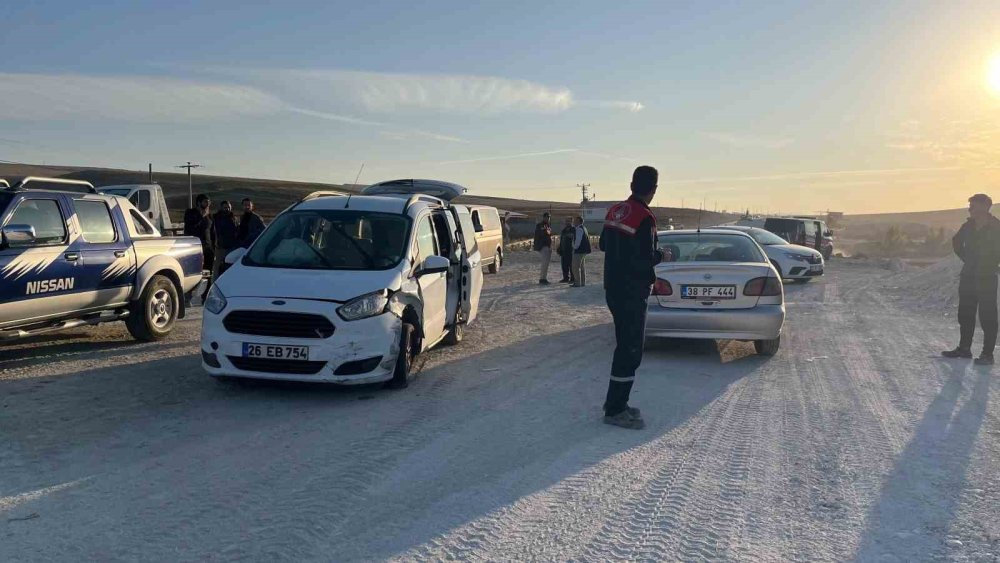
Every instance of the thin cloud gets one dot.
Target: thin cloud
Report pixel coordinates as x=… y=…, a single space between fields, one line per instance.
x=634 y=107
x=384 y=92
x=804 y=175
x=744 y=141
x=47 y=97
x=44 y=97
x=536 y=154
x=969 y=143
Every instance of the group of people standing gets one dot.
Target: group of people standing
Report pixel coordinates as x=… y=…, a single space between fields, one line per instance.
x=222 y=232
x=574 y=246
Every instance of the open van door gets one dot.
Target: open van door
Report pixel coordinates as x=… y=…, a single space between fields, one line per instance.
x=472 y=263
x=435 y=188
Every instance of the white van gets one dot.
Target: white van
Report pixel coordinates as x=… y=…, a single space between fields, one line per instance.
x=489 y=235
x=347 y=289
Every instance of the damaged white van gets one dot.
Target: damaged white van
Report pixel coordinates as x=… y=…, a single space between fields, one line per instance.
x=347 y=289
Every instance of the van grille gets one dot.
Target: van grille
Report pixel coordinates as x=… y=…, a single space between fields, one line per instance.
x=273 y=323
x=276 y=366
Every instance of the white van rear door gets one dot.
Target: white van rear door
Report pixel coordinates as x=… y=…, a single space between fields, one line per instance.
x=436 y=188
x=472 y=263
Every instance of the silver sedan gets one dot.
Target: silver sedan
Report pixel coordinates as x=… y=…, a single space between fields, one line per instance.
x=716 y=284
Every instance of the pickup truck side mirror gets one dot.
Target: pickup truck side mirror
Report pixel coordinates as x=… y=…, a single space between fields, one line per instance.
x=234 y=256
x=17 y=235
x=433 y=265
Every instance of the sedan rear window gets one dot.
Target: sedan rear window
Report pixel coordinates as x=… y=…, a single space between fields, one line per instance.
x=711 y=247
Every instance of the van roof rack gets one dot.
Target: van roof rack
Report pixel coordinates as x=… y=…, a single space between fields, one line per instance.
x=55 y=184
x=323 y=193
x=425 y=198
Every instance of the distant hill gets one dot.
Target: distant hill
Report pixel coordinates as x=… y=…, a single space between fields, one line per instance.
x=950 y=219
x=271 y=196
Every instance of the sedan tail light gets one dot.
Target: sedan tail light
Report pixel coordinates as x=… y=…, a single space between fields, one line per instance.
x=762 y=287
x=662 y=287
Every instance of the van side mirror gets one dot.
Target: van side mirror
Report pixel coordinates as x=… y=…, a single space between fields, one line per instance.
x=14 y=236
x=479 y=228
x=234 y=256
x=433 y=265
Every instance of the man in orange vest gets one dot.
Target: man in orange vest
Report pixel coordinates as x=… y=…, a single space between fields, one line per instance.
x=629 y=244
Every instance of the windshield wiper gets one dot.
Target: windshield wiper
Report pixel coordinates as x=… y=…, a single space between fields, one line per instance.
x=325 y=260
x=369 y=260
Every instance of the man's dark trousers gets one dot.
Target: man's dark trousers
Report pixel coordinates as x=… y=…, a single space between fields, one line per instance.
x=629 y=313
x=566 y=259
x=978 y=294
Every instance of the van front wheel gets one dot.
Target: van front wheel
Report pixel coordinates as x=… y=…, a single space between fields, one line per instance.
x=404 y=360
x=497 y=262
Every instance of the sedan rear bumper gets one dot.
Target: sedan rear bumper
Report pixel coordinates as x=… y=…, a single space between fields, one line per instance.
x=763 y=322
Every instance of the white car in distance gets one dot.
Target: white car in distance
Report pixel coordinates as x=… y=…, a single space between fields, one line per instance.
x=347 y=289
x=792 y=261
x=716 y=285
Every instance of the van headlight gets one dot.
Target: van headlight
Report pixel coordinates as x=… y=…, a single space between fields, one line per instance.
x=368 y=305
x=215 y=302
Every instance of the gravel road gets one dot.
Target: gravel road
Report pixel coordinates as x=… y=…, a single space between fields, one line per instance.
x=855 y=442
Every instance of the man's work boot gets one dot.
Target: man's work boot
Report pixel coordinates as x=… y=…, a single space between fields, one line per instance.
x=543 y=281
x=634 y=411
x=986 y=359
x=625 y=419
x=957 y=353
x=564 y=280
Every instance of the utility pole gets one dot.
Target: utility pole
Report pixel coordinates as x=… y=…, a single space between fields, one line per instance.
x=150 y=172
x=189 y=166
x=583 y=192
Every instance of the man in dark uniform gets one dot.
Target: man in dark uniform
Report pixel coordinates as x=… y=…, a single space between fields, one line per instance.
x=198 y=223
x=977 y=243
x=629 y=244
x=565 y=251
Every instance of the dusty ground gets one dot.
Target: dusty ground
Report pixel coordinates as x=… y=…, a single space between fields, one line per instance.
x=855 y=442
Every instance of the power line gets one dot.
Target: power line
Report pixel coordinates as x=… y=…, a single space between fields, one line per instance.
x=189 y=166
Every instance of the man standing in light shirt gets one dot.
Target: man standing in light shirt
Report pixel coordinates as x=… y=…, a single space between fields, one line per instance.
x=581 y=248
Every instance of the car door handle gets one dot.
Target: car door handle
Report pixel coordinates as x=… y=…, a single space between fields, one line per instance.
x=72 y=256
x=119 y=254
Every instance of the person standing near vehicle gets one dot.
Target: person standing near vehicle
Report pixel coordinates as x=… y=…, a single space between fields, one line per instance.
x=977 y=244
x=629 y=244
x=251 y=225
x=505 y=222
x=566 y=250
x=543 y=246
x=581 y=248
x=226 y=227
x=198 y=223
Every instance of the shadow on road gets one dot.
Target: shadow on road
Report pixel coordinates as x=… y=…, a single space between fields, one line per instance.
x=366 y=472
x=920 y=496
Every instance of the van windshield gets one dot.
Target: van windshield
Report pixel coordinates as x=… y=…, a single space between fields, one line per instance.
x=331 y=240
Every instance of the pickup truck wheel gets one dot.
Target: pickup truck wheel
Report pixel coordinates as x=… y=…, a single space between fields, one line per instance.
x=152 y=317
x=767 y=347
x=404 y=361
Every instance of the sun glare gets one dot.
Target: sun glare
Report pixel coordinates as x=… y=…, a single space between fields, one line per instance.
x=993 y=74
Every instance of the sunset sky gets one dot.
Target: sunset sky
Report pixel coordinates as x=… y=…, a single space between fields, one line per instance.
x=772 y=106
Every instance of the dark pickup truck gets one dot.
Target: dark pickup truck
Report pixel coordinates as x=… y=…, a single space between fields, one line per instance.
x=70 y=256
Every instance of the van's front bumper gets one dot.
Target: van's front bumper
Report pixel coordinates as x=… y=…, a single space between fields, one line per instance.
x=354 y=345
x=763 y=322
